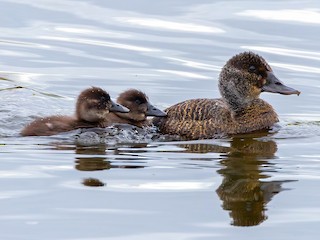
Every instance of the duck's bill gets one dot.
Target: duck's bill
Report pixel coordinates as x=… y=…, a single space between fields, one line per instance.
x=153 y=111
x=274 y=85
x=115 y=107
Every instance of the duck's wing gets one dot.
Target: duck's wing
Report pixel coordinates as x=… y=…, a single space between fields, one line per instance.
x=194 y=119
x=195 y=109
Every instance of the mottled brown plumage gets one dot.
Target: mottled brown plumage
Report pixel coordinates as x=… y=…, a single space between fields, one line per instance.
x=140 y=108
x=92 y=108
x=240 y=110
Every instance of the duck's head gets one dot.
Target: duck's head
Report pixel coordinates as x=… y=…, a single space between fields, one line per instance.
x=245 y=76
x=139 y=106
x=94 y=104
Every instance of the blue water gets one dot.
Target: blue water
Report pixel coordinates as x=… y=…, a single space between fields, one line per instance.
x=254 y=186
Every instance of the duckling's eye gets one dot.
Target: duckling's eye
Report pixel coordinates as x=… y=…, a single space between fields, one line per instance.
x=252 y=69
x=137 y=101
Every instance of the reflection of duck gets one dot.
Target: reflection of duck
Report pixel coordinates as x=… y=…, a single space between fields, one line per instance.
x=92 y=108
x=92 y=182
x=90 y=159
x=96 y=159
x=242 y=192
x=92 y=164
x=240 y=110
x=139 y=107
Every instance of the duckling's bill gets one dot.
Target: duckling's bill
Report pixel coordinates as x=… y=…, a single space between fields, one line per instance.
x=115 y=107
x=153 y=111
x=274 y=85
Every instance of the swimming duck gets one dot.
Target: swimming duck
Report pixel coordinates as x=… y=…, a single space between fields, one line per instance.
x=140 y=108
x=240 y=110
x=92 y=108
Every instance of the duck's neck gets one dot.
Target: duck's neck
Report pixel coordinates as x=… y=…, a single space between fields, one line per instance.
x=235 y=94
x=132 y=118
x=236 y=102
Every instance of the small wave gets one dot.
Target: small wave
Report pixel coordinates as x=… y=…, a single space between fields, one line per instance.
x=124 y=133
x=120 y=133
x=298 y=129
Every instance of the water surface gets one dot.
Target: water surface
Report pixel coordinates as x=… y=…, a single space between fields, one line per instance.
x=254 y=186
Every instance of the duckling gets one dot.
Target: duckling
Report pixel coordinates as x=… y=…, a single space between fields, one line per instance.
x=92 y=108
x=140 y=108
x=240 y=110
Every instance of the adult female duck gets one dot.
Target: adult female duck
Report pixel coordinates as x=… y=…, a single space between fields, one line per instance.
x=240 y=110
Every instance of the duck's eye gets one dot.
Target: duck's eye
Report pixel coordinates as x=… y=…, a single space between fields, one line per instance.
x=252 y=69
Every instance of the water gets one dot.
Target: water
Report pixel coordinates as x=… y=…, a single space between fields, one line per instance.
x=261 y=186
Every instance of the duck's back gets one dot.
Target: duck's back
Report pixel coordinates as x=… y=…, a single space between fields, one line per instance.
x=48 y=126
x=53 y=125
x=211 y=118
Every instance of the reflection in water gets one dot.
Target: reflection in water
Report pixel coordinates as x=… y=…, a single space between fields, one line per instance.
x=96 y=159
x=245 y=164
x=92 y=182
x=242 y=192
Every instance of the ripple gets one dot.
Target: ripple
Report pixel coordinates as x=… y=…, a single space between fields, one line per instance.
x=104 y=210
x=17 y=194
x=298 y=129
x=100 y=43
x=184 y=74
x=297 y=68
x=24 y=44
x=170 y=25
x=120 y=133
x=287 y=15
x=194 y=64
x=154 y=186
x=294 y=215
x=286 y=52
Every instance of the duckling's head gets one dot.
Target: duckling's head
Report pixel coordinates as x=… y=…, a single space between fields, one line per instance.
x=139 y=106
x=94 y=104
x=245 y=76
